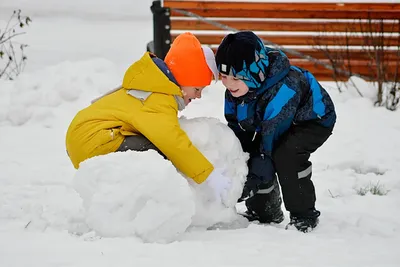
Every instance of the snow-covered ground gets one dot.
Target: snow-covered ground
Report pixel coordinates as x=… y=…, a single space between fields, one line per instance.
x=80 y=49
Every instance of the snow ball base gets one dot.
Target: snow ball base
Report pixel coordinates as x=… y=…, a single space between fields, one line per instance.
x=142 y=194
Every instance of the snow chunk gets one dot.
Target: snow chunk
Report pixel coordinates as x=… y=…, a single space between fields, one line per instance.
x=123 y=194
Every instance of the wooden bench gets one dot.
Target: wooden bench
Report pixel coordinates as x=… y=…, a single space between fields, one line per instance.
x=359 y=39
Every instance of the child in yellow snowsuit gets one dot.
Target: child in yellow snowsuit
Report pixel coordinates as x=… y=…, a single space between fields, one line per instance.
x=142 y=113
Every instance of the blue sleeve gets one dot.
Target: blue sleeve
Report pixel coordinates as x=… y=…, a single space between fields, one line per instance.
x=230 y=115
x=244 y=137
x=278 y=116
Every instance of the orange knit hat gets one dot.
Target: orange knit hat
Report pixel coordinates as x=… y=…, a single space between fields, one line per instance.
x=189 y=62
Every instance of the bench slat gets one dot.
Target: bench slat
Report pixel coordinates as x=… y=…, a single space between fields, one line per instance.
x=307 y=26
x=356 y=67
x=307 y=40
x=353 y=54
x=298 y=7
x=231 y=13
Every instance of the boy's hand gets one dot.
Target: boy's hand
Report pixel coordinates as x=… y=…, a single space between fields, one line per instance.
x=250 y=188
x=261 y=170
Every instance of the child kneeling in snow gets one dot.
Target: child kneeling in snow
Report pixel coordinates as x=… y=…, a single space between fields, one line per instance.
x=142 y=113
x=281 y=114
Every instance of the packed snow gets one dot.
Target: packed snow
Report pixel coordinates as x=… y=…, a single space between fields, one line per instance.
x=125 y=195
x=54 y=215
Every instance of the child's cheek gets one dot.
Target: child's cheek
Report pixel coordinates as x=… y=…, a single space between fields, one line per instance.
x=224 y=82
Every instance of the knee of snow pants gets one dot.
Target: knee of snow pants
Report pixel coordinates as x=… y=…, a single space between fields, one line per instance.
x=138 y=143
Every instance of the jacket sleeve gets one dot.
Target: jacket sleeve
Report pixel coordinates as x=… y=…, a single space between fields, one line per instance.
x=245 y=137
x=278 y=117
x=230 y=114
x=159 y=123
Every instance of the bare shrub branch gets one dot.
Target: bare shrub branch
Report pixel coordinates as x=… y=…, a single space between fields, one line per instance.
x=12 y=56
x=376 y=59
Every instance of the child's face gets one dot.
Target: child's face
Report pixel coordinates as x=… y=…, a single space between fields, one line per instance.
x=190 y=93
x=234 y=85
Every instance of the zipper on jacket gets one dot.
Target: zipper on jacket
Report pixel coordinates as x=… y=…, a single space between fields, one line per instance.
x=112 y=134
x=254 y=136
x=241 y=104
x=241 y=127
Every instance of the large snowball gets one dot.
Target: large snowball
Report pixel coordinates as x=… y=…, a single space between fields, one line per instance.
x=134 y=193
x=142 y=194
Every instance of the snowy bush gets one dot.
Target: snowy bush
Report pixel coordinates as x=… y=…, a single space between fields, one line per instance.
x=375 y=189
x=12 y=61
x=380 y=58
x=142 y=194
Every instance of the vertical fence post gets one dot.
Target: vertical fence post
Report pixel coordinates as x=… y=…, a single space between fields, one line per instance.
x=161 y=29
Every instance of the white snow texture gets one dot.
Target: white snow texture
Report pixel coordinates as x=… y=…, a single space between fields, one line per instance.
x=78 y=50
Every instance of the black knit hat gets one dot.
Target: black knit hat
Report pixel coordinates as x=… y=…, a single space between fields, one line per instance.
x=243 y=56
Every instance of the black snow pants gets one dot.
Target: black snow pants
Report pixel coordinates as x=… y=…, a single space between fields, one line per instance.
x=291 y=161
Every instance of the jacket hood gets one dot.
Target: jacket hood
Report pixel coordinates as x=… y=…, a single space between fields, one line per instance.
x=146 y=75
x=278 y=68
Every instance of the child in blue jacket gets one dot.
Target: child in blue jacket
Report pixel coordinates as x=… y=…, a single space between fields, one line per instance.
x=280 y=114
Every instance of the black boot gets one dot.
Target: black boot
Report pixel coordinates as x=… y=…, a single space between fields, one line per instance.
x=265 y=205
x=304 y=222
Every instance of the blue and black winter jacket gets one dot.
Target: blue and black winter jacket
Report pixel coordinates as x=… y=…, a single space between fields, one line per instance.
x=288 y=96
